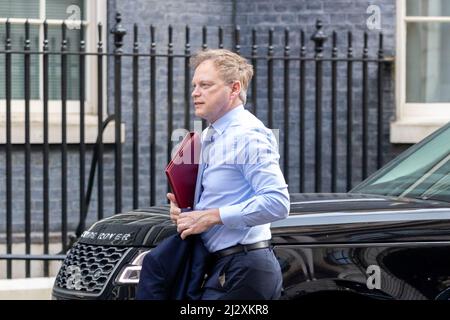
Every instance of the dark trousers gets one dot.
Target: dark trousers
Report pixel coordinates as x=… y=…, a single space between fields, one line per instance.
x=175 y=269
x=252 y=275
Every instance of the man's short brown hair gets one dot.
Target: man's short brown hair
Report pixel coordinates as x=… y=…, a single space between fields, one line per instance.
x=231 y=67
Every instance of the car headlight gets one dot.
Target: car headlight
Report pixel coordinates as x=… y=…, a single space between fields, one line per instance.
x=131 y=272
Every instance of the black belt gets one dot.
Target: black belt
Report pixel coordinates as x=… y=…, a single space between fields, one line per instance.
x=241 y=248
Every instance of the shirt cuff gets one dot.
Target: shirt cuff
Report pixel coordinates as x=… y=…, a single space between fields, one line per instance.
x=231 y=216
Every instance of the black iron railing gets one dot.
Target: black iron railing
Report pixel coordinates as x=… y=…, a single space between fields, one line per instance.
x=296 y=68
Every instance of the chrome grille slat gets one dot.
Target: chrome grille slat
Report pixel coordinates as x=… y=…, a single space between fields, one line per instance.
x=88 y=267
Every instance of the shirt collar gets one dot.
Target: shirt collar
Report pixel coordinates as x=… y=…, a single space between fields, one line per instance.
x=223 y=122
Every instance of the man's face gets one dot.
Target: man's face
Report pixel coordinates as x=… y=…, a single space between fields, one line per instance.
x=212 y=96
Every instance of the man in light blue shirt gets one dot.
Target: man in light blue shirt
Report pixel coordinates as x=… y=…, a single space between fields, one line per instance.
x=240 y=187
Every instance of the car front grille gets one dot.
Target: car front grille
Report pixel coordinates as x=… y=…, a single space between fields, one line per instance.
x=87 y=268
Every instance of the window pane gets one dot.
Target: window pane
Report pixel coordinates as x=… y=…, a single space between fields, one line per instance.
x=73 y=40
x=17 y=62
x=19 y=9
x=435 y=8
x=428 y=62
x=57 y=9
x=417 y=174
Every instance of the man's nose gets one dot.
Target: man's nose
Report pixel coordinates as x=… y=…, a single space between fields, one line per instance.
x=195 y=92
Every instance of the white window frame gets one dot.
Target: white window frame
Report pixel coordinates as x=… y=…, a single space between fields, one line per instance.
x=414 y=121
x=96 y=12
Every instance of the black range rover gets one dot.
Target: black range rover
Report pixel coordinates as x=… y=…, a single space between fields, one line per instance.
x=388 y=238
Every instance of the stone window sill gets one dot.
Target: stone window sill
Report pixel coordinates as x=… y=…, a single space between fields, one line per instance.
x=54 y=130
x=412 y=130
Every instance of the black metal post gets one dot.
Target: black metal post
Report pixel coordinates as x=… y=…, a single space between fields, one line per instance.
x=270 y=79
x=169 y=95
x=349 y=152
x=220 y=38
x=82 y=168
x=380 y=102
x=63 y=137
x=237 y=39
x=46 y=150
x=302 y=112
x=187 y=82
x=286 y=106
x=204 y=38
x=365 y=111
x=204 y=47
x=119 y=32
x=255 y=73
x=135 y=119
x=319 y=38
x=27 y=80
x=8 y=169
x=152 y=116
x=100 y=124
x=334 y=132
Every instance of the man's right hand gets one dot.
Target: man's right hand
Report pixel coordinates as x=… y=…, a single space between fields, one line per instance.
x=174 y=209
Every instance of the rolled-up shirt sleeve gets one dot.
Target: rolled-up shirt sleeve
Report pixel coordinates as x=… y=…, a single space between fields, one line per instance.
x=260 y=168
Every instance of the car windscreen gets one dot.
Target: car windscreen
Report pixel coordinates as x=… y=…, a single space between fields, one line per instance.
x=423 y=173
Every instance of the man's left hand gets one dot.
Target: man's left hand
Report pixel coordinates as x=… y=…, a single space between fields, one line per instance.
x=195 y=222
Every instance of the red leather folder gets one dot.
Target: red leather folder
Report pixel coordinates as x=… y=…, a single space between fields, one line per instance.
x=182 y=170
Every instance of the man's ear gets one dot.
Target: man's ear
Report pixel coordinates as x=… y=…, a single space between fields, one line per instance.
x=235 y=89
